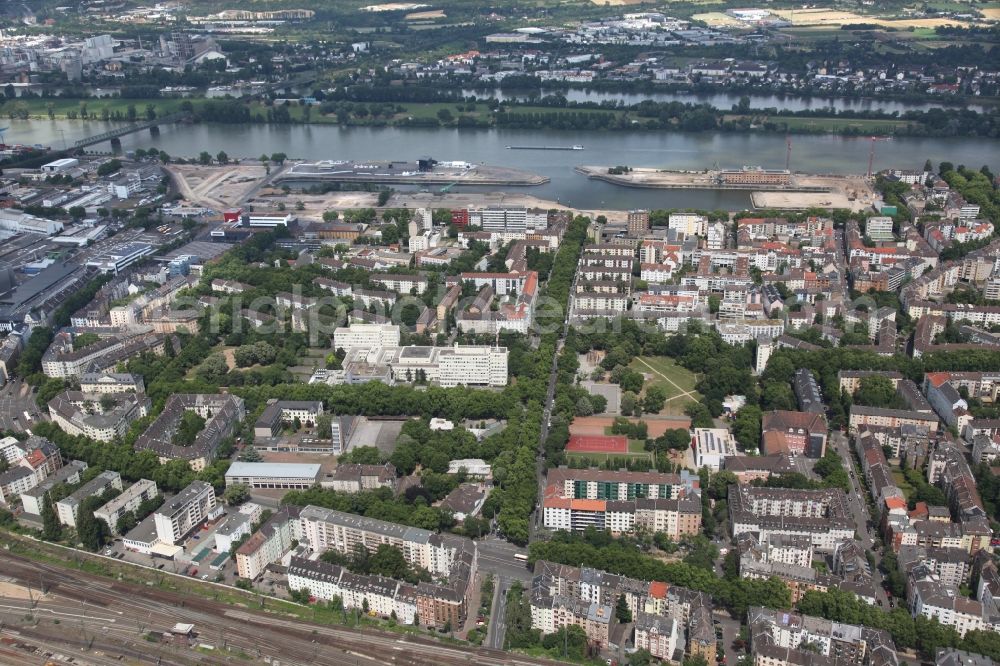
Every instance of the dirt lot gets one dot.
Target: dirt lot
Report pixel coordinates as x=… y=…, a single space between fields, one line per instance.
x=657 y=425
x=716 y=19
x=10 y=590
x=991 y=12
x=423 y=16
x=314 y=205
x=216 y=187
x=617 y=3
x=832 y=17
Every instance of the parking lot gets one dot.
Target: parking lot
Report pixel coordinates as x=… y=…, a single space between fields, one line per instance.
x=380 y=434
x=198 y=560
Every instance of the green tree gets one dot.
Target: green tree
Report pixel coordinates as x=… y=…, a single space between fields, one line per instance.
x=222 y=157
x=746 y=427
x=875 y=391
x=655 y=398
x=51 y=527
x=622 y=611
x=204 y=157
x=236 y=494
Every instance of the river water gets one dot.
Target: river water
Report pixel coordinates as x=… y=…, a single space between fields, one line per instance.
x=672 y=150
x=726 y=100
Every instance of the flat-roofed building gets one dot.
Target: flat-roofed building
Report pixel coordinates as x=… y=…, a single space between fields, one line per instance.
x=184 y=512
x=366 y=336
x=282 y=476
x=129 y=500
x=68 y=508
x=32 y=499
x=712 y=446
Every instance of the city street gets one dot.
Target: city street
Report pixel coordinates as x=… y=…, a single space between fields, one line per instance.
x=16 y=397
x=497 y=557
x=497 y=629
x=857 y=503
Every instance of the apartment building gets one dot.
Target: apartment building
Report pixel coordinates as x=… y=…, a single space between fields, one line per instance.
x=564 y=595
x=403 y=284
x=449 y=558
x=820 y=515
x=781 y=638
x=325 y=529
x=129 y=500
x=663 y=637
x=385 y=597
x=674 y=517
x=850 y=380
x=862 y=415
x=334 y=286
x=689 y=224
x=68 y=508
x=102 y=417
x=222 y=413
x=33 y=498
x=929 y=597
x=184 y=512
x=236 y=525
x=269 y=543
x=102 y=383
x=604 y=484
x=61 y=361
x=355 y=478
x=638 y=222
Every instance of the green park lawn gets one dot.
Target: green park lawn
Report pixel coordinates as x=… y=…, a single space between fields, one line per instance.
x=676 y=381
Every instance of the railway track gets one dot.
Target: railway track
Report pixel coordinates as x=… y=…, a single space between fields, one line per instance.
x=258 y=634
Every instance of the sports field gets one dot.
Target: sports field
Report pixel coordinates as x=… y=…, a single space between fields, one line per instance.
x=677 y=382
x=598 y=444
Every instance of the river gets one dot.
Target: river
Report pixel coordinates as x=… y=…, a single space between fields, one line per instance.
x=672 y=150
x=726 y=100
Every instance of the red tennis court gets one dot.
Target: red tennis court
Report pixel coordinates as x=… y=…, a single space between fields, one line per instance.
x=598 y=444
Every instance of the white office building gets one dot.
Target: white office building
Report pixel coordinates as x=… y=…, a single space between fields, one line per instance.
x=366 y=336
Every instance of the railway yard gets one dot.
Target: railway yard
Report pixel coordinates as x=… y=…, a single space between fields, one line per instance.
x=56 y=614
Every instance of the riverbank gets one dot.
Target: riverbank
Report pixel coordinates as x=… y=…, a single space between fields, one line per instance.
x=588 y=117
x=799 y=192
x=410 y=173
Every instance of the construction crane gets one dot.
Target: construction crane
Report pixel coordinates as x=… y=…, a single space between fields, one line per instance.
x=871 y=154
x=447 y=188
x=788 y=154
